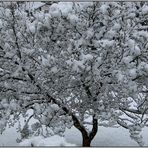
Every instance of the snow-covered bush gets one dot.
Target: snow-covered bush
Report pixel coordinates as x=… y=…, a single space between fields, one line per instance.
x=41 y=141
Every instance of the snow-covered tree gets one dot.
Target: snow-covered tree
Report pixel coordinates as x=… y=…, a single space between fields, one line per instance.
x=82 y=64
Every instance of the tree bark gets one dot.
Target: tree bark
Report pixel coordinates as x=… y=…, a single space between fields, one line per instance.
x=86 y=141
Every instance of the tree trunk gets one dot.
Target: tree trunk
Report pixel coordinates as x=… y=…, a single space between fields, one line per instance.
x=86 y=141
x=87 y=137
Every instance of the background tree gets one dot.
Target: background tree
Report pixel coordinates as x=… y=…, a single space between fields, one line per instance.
x=85 y=67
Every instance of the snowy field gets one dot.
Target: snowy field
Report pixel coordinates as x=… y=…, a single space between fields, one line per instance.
x=105 y=137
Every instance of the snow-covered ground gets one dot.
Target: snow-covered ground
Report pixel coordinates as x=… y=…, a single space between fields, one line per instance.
x=41 y=141
x=105 y=137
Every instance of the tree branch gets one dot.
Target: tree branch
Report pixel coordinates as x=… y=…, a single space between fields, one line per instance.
x=94 y=129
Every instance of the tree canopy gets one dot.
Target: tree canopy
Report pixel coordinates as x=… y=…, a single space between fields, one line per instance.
x=89 y=61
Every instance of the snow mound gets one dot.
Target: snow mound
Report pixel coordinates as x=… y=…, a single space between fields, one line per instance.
x=41 y=141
